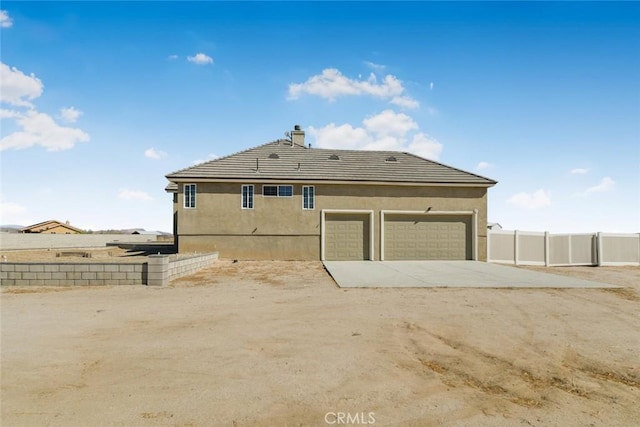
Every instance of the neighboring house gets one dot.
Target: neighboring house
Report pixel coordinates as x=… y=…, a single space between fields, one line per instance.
x=285 y=200
x=51 y=227
x=147 y=233
x=494 y=226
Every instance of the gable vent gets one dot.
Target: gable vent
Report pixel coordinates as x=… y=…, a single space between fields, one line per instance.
x=391 y=159
x=274 y=156
x=334 y=157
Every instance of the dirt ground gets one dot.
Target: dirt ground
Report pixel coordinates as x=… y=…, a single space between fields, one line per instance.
x=278 y=344
x=111 y=254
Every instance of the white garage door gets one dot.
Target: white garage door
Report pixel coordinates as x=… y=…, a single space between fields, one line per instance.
x=346 y=237
x=426 y=237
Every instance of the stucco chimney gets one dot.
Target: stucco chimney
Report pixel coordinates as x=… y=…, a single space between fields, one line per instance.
x=297 y=135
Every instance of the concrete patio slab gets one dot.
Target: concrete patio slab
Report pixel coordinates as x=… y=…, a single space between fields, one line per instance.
x=447 y=274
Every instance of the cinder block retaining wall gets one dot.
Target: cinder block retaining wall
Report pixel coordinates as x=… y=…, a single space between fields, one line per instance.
x=185 y=266
x=159 y=271
x=66 y=274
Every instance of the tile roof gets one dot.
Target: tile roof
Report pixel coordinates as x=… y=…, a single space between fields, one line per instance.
x=281 y=161
x=52 y=223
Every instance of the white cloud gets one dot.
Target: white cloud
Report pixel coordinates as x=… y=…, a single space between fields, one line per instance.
x=344 y=136
x=390 y=123
x=70 y=115
x=5 y=19
x=405 y=101
x=536 y=200
x=8 y=114
x=431 y=86
x=332 y=84
x=39 y=129
x=35 y=128
x=17 y=88
x=200 y=59
x=211 y=156
x=483 y=165
x=385 y=131
x=134 y=195
x=152 y=153
x=425 y=146
x=375 y=67
x=172 y=57
x=579 y=171
x=605 y=184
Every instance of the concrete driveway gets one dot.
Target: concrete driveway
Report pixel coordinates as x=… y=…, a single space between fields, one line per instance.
x=447 y=274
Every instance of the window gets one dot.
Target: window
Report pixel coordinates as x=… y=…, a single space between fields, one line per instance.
x=189 y=195
x=270 y=190
x=308 y=197
x=285 y=190
x=247 y=196
x=277 y=190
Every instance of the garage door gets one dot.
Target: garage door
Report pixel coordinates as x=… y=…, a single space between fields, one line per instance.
x=346 y=237
x=427 y=237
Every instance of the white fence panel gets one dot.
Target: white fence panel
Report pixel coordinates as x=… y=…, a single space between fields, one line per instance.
x=543 y=248
x=619 y=249
x=501 y=246
x=530 y=248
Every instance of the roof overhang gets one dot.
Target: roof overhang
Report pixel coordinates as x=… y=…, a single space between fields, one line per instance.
x=171 y=189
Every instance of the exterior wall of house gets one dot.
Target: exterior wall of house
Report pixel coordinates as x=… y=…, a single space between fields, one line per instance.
x=53 y=229
x=278 y=227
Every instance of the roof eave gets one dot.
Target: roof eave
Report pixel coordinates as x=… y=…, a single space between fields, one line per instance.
x=176 y=180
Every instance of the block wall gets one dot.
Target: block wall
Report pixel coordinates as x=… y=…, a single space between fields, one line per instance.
x=68 y=274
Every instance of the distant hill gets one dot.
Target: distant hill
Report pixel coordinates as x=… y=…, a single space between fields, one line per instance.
x=11 y=228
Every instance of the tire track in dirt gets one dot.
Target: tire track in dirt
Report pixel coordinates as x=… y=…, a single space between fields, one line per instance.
x=458 y=364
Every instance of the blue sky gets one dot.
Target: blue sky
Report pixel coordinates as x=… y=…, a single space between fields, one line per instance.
x=101 y=100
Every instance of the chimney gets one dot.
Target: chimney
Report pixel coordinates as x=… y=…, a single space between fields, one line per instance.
x=297 y=136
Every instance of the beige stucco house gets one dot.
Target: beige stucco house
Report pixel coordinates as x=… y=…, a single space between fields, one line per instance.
x=51 y=227
x=285 y=200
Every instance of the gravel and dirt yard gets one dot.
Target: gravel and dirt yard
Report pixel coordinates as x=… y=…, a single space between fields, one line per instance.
x=72 y=255
x=278 y=344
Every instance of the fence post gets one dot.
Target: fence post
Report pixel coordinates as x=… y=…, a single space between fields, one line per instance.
x=546 y=249
x=474 y=225
x=515 y=247
x=599 y=252
x=158 y=273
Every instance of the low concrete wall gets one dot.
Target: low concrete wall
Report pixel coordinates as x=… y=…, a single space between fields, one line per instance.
x=159 y=271
x=185 y=266
x=23 y=241
x=67 y=274
x=163 y=269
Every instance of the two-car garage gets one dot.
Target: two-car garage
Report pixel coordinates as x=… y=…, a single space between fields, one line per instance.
x=427 y=237
x=403 y=235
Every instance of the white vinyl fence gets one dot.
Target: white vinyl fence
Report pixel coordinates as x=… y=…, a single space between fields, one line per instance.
x=544 y=248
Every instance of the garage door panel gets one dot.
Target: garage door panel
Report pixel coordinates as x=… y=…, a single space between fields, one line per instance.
x=422 y=237
x=346 y=237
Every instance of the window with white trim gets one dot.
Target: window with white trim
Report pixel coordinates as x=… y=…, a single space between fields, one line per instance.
x=247 y=196
x=190 y=196
x=277 y=190
x=308 y=197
